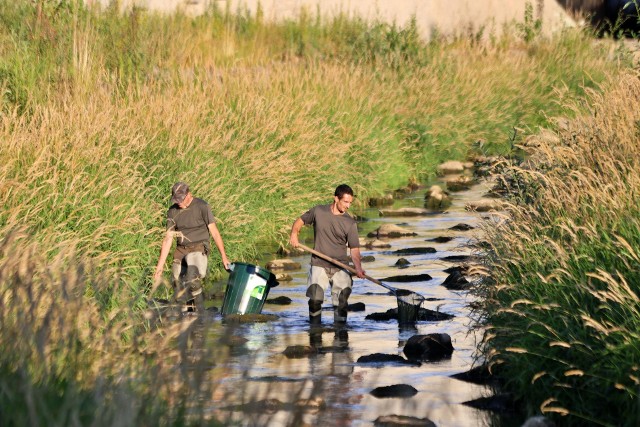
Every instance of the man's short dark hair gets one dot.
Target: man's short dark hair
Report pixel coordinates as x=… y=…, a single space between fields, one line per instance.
x=343 y=189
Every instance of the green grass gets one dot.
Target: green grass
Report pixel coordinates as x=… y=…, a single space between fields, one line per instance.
x=564 y=319
x=100 y=113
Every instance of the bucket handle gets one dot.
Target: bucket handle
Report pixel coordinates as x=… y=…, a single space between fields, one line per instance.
x=271 y=281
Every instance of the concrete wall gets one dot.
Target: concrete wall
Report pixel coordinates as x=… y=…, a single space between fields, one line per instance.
x=448 y=16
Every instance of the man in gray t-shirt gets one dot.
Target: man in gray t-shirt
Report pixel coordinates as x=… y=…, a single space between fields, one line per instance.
x=190 y=220
x=334 y=230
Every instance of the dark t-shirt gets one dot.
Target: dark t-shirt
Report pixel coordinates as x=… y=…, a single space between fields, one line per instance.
x=191 y=223
x=332 y=234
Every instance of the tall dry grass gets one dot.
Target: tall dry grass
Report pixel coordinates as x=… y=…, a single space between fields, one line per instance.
x=121 y=107
x=101 y=113
x=67 y=361
x=564 y=314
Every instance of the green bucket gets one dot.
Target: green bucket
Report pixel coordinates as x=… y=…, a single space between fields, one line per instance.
x=247 y=289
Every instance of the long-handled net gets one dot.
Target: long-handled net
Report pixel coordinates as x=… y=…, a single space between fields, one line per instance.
x=409 y=302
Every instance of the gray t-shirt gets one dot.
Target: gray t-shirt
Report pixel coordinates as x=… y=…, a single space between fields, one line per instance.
x=332 y=234
x=191 y=223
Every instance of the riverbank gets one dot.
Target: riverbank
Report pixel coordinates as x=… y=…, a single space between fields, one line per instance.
x=102 y=113
x=563 y=309
x=255 y=116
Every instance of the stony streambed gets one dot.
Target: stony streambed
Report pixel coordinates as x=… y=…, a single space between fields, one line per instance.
x=329 y=386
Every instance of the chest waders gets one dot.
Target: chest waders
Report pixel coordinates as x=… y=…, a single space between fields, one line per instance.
x=188 y=269
x=320 y=279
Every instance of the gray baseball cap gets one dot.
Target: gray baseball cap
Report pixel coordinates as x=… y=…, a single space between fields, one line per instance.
x=179 y=191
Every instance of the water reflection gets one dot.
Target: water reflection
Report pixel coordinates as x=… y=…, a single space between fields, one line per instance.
x=333 y=378
x=254 y=383
x=407 y=330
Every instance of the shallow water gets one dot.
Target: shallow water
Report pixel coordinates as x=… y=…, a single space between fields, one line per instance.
x=258 y=370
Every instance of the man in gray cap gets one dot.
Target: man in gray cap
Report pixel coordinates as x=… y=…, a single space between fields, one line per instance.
x=190 y=220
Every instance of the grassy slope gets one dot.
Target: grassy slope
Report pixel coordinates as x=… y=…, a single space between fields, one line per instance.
x=262 y=119
x=563 y=319
x=101 y=113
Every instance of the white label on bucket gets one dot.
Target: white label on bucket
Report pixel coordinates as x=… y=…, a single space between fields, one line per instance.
x=253 y=282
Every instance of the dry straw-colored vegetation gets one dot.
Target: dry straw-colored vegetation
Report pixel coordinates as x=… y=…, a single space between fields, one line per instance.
x=564 y=315
x=68 y=361
x=102 y=112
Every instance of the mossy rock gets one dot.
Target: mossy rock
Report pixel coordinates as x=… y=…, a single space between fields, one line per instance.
x=250 y=318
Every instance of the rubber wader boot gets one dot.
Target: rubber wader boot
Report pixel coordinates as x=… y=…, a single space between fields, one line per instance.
x=315 y=312
x=315 y=293
x=193 y=282
x=179 y=292
x=340 y=313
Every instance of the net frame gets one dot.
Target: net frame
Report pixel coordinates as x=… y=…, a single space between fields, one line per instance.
x=409 y=307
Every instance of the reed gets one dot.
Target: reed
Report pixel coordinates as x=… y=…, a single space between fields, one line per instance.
x=114 y=117
x=102 y=112
x=66 y=361
x=564 y=315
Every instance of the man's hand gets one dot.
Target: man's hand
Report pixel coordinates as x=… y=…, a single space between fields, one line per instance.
x=295 y=229
x=157 y=276
x=164 y=252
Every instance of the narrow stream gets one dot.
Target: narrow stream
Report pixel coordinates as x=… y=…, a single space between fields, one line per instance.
x=258 y=369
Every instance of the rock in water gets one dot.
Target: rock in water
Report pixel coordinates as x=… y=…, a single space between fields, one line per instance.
x=396 y=390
